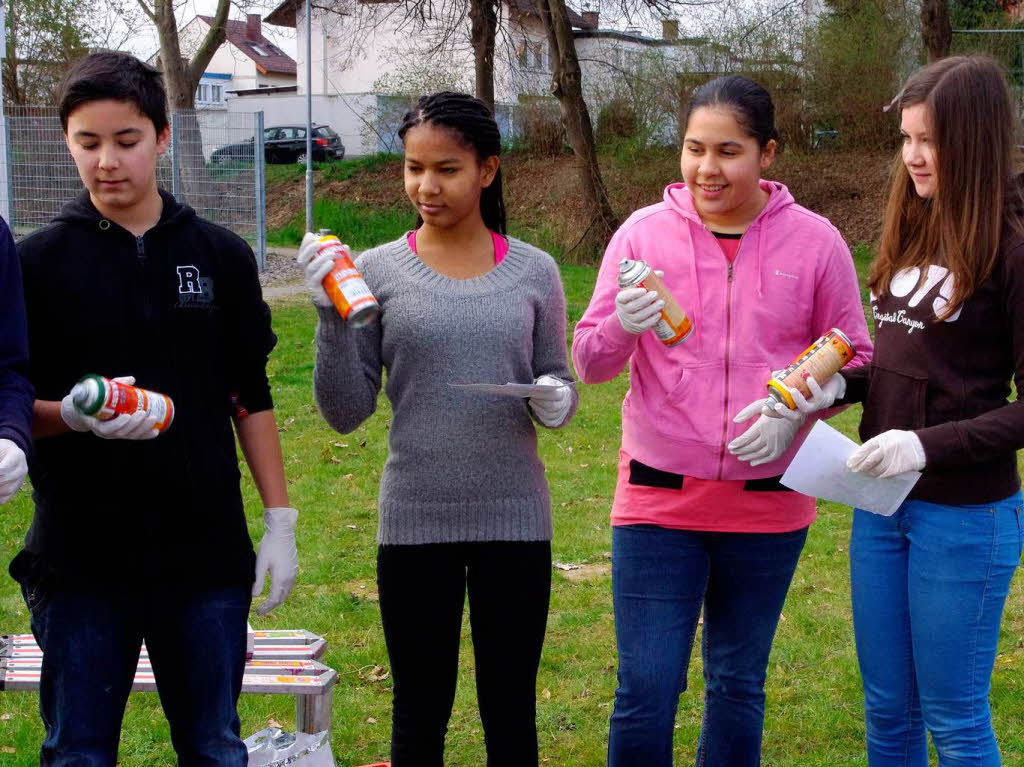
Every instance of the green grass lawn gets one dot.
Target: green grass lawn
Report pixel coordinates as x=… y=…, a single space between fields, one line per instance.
x=814 y=709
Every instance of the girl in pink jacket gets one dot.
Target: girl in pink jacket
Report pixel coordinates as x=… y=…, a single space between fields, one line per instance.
x=699 y=517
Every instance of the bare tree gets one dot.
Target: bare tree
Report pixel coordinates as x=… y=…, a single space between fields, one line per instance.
x=182 y=75
x=484 y=18
x=936 y=31
x=567 y=87
x=43 y=38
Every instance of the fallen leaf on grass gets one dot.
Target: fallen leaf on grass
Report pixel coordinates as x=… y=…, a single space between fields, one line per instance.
x=5 y=717
x=273 y=723
x=8 y=750
x=371 y=720
x=566 y=566
x=546 y=693
x=352 y=527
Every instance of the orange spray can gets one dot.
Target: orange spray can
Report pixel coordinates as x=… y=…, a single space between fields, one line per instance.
x=344 y=284
x=822 y=360
x=674 y=327
x=104 y=399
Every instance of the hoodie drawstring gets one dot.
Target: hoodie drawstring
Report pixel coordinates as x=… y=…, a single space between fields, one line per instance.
x=762 y=228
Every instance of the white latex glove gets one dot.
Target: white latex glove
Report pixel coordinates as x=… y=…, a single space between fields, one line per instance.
x=822 y=398
x=314 y=268
x=13 y=469
x=638 y=309
x=767 y=439
x=890 y=453
x=551 y=407
x=277 y=553
x=135 y=426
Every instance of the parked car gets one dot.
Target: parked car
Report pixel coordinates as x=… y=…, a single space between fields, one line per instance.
x=283 y=144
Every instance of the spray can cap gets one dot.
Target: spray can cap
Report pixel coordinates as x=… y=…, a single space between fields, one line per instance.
x=87 y=395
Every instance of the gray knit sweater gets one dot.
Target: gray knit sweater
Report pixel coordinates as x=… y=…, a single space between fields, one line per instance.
x=461 y=466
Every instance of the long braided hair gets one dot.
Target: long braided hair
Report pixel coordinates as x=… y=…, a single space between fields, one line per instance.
x=471 y=121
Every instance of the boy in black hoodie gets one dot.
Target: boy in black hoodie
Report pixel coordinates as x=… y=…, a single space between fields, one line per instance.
x=140 y=535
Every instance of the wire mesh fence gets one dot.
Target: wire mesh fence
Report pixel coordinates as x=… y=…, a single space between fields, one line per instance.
x=215 y=163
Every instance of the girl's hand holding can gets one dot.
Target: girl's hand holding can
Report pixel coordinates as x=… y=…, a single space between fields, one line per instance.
x=315 y=266
x=552 y=407
x=822 y=398
x=638 y=309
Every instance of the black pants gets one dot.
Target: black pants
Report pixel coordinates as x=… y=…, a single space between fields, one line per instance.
x=422 y=592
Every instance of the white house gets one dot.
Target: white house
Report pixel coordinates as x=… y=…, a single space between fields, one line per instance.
x=364 y=50
x=246 y=61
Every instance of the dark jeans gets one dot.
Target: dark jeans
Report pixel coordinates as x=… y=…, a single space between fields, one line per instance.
x=660 y=579
x=91 y=642
x=422 y=592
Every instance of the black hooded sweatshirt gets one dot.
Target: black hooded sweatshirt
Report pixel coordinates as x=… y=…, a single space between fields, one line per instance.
x=948 y=380
x=179 y=308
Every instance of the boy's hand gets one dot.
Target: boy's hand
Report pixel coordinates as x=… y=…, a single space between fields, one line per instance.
x=314 y=268
x=13 y=469
x=135 y=426
x=277 y=553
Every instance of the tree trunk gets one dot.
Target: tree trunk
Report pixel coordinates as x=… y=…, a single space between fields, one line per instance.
x=484 y=20
x=181 y=78
x=935 y=28
x=567 y=87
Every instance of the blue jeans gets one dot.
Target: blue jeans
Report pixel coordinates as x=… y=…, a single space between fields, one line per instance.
x=660 y=579
x=928 y=585
x=91 y=644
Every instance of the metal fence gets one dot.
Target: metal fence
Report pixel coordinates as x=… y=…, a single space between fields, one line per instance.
x=215 y=163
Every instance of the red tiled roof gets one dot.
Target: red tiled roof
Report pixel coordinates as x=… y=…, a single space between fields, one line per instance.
x=237 y=35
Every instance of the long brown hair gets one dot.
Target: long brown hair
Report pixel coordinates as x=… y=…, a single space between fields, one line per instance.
x=972 y=125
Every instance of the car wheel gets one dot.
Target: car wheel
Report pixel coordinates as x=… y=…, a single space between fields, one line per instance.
x=300 y=158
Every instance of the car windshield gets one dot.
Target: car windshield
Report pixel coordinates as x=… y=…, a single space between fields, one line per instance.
x=325 y=131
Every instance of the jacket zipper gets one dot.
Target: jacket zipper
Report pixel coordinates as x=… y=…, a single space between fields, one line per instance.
x=140 y=248
x=728 y=347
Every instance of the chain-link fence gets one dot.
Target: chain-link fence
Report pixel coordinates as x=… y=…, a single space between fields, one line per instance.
x=215 y=163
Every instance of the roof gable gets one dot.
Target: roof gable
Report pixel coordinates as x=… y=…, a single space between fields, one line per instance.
x=268 y=57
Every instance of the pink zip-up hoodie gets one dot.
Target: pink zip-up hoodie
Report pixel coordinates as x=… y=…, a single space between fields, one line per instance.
x=793 y=279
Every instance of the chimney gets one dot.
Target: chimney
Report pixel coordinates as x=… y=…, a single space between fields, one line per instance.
x=669 y=29
x=252 y=27
x=591 y=18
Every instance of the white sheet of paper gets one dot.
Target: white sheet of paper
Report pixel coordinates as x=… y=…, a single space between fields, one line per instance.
x=509 y=389
x=819 y=470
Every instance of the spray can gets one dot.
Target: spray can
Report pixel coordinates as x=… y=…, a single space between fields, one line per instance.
x=344 y=284
x=822 y=359
x=674 y=327
x=104 y=399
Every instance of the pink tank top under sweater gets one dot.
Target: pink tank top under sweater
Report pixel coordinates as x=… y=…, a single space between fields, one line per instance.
x=500 y=245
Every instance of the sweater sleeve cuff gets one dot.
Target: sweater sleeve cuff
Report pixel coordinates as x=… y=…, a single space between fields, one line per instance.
x=17 y=437
x=612 y=331
x=331 y=327
x=942 y=445
x=856 y=385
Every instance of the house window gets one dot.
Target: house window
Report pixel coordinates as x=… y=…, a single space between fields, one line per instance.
x=259 y=51
x=203 y=92
x=216 y=93
x=531 y=55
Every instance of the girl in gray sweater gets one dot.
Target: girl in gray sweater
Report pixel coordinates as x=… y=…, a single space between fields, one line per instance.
x=464 y=502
